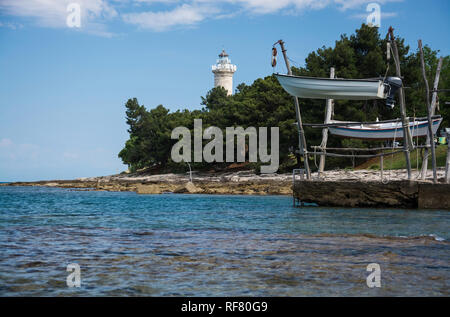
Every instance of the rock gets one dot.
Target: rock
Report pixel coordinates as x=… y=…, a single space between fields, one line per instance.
x=235 y=179
x=148 y=189
x=188 y=188
x=193 y=189
x=51 y=184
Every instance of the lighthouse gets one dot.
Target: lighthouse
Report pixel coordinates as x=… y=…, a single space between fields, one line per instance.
x=223 y=73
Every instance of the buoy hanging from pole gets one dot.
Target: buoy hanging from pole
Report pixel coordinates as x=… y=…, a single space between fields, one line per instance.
x=274 y=56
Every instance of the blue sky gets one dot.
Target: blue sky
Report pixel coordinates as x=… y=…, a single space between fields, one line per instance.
x=62 y=89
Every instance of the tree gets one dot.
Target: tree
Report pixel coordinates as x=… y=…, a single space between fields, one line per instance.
x=135 y=114
x=264 y=103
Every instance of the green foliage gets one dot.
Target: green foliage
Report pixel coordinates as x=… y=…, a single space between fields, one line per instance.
x=397 y=161
x=266 y=104
x=150 y=140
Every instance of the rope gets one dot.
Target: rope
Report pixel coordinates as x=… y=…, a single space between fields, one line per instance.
x=385 y=74
x=294 y=62
x=389 y=50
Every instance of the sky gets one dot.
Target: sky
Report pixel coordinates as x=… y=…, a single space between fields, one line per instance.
x=63 y=87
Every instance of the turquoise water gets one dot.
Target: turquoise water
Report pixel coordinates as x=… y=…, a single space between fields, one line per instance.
x=200 y=245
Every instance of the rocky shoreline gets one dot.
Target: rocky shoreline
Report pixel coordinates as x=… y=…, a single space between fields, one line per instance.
x=240 y=183
x=237 y=183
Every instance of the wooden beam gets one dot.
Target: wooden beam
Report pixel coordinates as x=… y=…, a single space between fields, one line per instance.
x=301 y=132
x=429 y=113
x=328 y=113
x=357 y=156
x=433 y=109
x=407 y=143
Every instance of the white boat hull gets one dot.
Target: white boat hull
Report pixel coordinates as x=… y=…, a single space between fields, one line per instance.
x=326 y=88
x=384 y=131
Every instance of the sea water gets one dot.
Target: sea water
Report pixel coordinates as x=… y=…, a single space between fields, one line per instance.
x=204 y=245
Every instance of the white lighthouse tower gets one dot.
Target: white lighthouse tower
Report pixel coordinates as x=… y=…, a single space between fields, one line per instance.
x=223 y=73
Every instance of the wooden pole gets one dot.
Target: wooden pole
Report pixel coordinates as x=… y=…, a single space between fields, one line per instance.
x=407 y=144
x=447 y=164
x=430 y=122
x=301 y=133
x=381 y=167
x=358 y=155
x=433 y=109
x=328 y=113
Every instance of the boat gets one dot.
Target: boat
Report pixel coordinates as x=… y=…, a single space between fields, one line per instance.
x=383 y=131
x=350 y=89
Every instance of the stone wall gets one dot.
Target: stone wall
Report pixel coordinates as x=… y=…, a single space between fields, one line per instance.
x=394 y=194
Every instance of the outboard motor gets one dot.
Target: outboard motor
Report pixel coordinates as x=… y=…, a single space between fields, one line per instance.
x=392 y=85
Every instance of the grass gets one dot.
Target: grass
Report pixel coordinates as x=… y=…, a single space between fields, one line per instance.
x=398 y=161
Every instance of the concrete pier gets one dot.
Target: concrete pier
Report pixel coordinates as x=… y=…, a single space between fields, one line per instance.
x=394 y=194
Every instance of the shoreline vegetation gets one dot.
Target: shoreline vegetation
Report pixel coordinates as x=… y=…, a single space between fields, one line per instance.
x=231 y=183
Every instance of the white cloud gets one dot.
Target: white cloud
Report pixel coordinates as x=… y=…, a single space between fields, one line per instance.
x=10 y=25
x=5 y=142
x=53 y=13
x=384 y=15
x=161 y=15
x=352 y=4
x=191 y=12
x=271 y=6
x=70 y=155
x=184 y=14
x=13 y=151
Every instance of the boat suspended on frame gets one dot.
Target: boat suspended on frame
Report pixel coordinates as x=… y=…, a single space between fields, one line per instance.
x=350 y=89
x=383 y=131
x=357 y=89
